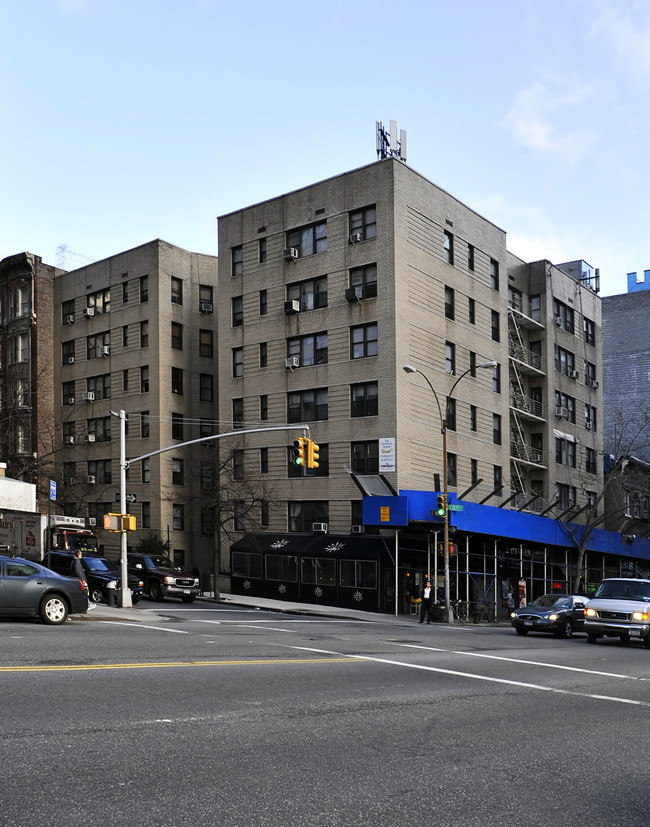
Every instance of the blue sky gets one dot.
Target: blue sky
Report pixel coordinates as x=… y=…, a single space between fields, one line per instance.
x=128 y=120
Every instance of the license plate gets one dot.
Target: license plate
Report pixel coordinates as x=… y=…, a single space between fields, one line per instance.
x=186 y=591
x=635 y=633
x=528 y=622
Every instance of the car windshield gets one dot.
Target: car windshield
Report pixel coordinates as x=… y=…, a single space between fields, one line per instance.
x=82 y=541
x=99 y=564
x=161 y=562
x=549 y=601
x=625 y=590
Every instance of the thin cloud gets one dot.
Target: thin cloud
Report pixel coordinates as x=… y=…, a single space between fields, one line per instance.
x=627 y=31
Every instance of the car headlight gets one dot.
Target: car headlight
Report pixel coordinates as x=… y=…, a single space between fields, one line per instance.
x=590 y=613
x=196 y=581
x=141 y=584
x=513 y=614
x=553 y=617
x=169 y=581
x=639 y=615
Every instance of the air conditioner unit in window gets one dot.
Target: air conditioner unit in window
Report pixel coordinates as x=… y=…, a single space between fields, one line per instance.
x=70 y=360
x=320 y=528
x=558 y=321
x=89 y=312
x=629 y=538
x=89 y=396
x=205 y=307
x=354 y=294
x=589 y=426
x=71 y=481
x=292 y=306
x=292 y=362
x=69 y=318
x=591 y=383
x=69 y=400
x=355 y=238
x=104 y=350
x=562 y=413
x=358 y=529
x=290 y=254
x=92 y=520
x=90 y=479
x=573 y=374
x=90 y=438
x=69 y=440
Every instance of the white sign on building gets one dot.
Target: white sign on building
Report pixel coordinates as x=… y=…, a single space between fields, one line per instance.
x=16 y=495
x=386 y=454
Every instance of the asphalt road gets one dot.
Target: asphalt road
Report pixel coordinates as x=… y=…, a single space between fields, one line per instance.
x=205 y=715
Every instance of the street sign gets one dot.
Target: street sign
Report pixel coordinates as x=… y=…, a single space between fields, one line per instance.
x=130 y=498
x=52 y=489
x=455 y=507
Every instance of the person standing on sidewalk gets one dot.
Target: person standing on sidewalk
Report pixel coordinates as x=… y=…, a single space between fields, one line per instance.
x=427 y=602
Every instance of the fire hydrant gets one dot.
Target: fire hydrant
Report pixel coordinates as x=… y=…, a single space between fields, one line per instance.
x=110 y=593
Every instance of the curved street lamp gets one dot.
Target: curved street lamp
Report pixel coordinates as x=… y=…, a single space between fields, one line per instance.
x=448 y=614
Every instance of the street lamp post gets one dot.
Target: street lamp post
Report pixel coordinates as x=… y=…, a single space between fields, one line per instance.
x=448 y=614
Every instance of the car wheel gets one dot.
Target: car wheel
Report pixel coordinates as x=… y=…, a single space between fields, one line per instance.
x=592 y=638
x=188 y=598
x=566 y=631
x=155 y=592
x=522 y=631
x=53 y=610
x=97 y=596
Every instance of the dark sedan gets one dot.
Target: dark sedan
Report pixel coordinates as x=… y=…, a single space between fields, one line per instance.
x=28 y=589
x=559 y=614
x=104 y=576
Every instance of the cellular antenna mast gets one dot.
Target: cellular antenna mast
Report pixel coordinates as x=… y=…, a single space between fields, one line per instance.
x=387 y=144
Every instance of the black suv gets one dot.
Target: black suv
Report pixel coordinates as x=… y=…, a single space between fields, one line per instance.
x=102 y=575
x=162 y=578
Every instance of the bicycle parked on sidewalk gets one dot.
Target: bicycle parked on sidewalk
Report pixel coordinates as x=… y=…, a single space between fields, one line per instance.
x=462 y=610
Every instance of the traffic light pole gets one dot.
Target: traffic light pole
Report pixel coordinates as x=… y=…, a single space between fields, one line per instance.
x=127 y=603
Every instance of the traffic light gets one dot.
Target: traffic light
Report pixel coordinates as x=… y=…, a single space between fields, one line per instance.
x=440 y=511
x=299 y=451
x=312 y=454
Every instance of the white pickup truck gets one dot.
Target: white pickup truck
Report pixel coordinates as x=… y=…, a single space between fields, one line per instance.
x=620 y=608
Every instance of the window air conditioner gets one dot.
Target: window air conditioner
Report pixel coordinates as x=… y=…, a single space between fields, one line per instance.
x=562 y=413
x=69 y=400
x=205 y=307
x=558 y=321
x=89 y=312
x=69 y=318
x=292 y=306
x=104 y=350
x=89 y=396
x=320 y=528
x=573 y=374
x=588 y=426
x=355 y=238
x=290 y=253
x=90 y=438
x=592 y=383
x=292 y=362
x=92 y=520
x=71 y=481
x=71 y=360
x=354 y=294
x=69 y=440
x=91 y=479
x=358 y=529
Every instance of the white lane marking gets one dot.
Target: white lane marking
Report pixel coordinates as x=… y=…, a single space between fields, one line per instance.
x=473 y=676
x=144 y=626
x=518 y=660
x=271 y=628
x=238 y=622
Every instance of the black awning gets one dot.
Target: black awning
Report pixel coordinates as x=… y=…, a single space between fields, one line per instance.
x=321 y=545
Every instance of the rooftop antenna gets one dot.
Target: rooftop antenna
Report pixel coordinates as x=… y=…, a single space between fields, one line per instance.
x=387 y=144
x=64 y=255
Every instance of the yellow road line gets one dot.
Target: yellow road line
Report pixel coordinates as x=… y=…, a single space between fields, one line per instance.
x=170 y=664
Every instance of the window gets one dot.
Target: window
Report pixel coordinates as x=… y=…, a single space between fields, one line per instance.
x=238 y=464
x=565 y=362
x=566 y=496
x=312 y=294
x=100 y=469
x=590 y=374
x=448 y=247
x=67 y=393
x=308 y=240
x=125 y=335
x=450 y=358
x=261 y=251
x=205 y=297
x=449 y=303
x=178 y=517
x=100 y=301
x=311 y=350
x=366 y=278
x=144 y=289
x=452 y=473
x=99 y=428
x=470 y=257
x=264 y=354
x=206 y=387
x=473 y=417
x=307 y=405
x=264 y=303
x=238 y=522
x=178 y=427
x=365 y=457
x=206 y=344
x=451 y=414
x=496 y=429
x=590 y=418
x=359 y=574
x=264 y=513
x=237 y=362
x=472 y=311
x=264 y=460
x=177 y=336
x=364 y=399
x=68 y=434
x=125 y=292
x=100 y=386
x=177 y=381
x=144 y=333
x=363 y=341
x=264 y=408
x=318 y=571
x=67 y=311
x=472 y=363
x=207 y=521
x=67 y=352
x=144 y=379
x=496 y=334
x=590 y=461
x=496 y=379
x=245 y=564
x=207 y=477
x=237 y=311
x=177 y=290
x=564 y=316
x=589 y=329
x=237 y=260
x=178 y=471
x=494 y=274
x=565 y=406
x=144 y=424
x=497 y=478
x=237 y=414
x=69 y=473
x=473 y=467
x=302 y=515
x=565 y=452
x=364 y=221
